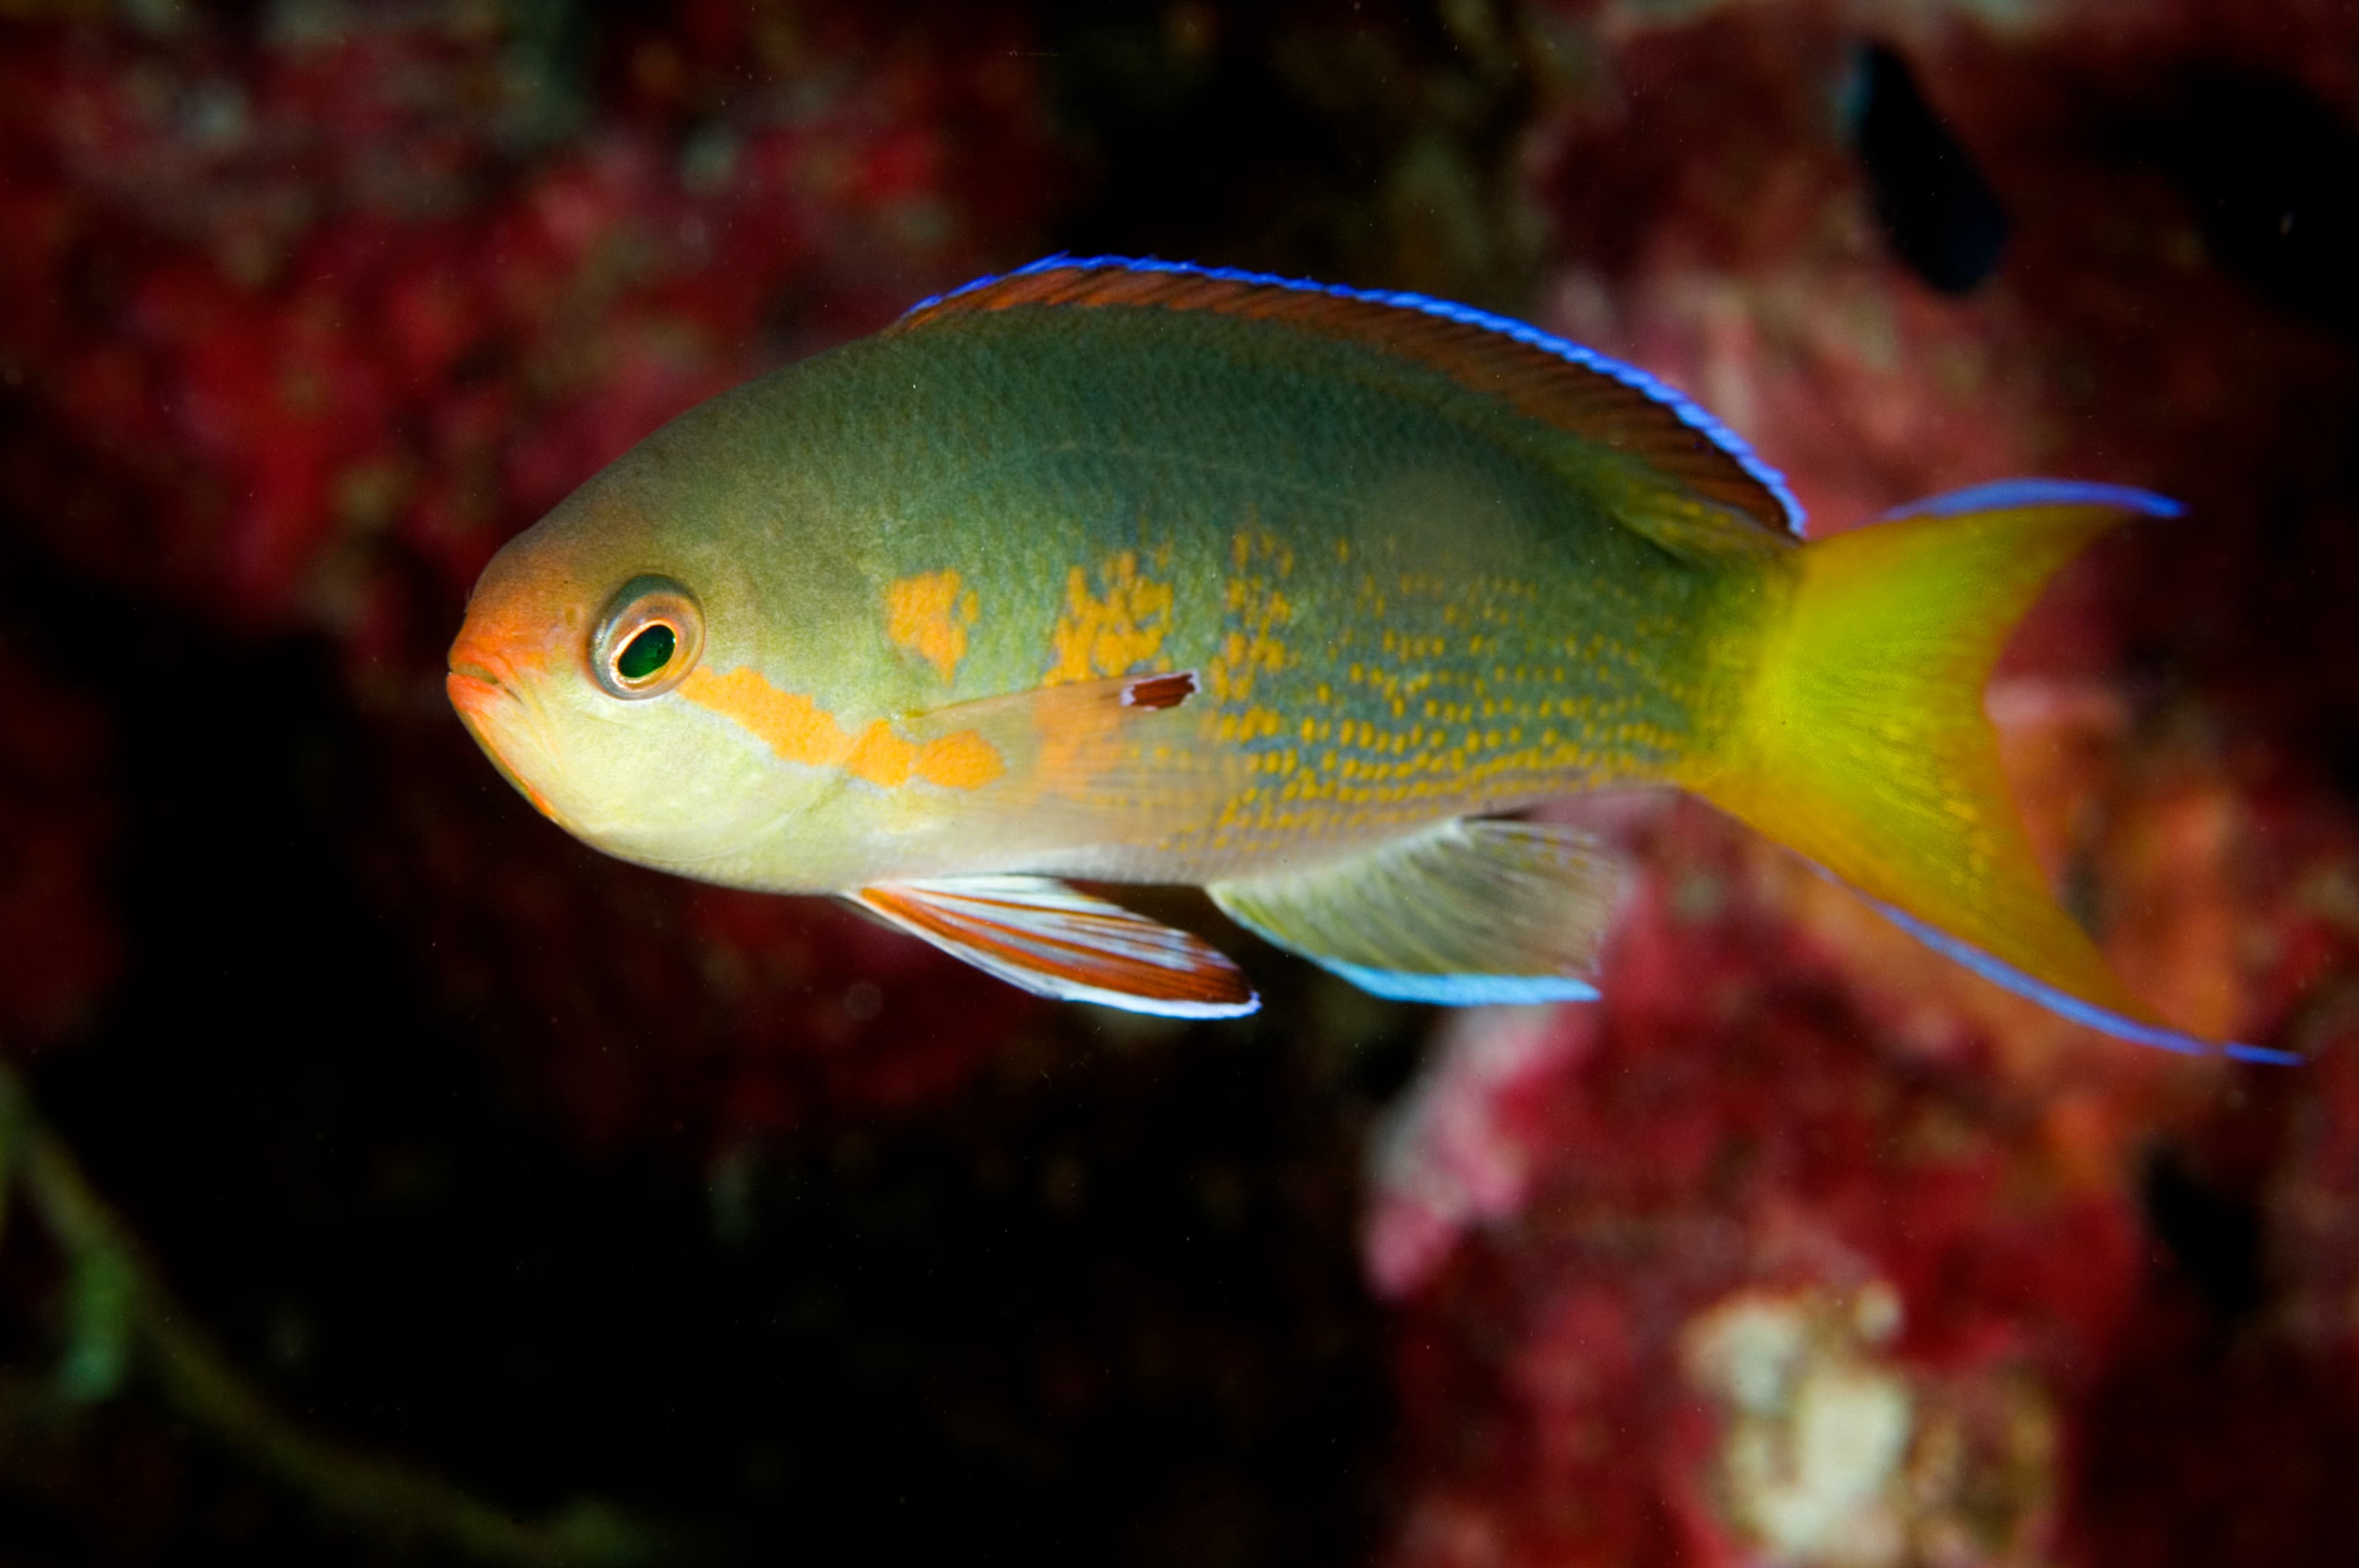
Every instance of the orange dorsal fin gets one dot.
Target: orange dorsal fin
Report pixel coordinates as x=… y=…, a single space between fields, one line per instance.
x=1541 y=377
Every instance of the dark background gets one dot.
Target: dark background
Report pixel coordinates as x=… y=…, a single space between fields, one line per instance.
x=490 y=1169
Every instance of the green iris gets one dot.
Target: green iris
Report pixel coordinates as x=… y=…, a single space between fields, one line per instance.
x=645 y=653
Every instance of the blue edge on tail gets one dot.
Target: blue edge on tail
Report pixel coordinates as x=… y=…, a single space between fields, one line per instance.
x=1467 y=990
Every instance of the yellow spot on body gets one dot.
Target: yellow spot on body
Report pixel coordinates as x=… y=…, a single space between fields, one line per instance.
x=1111 y=634
x=1254 y=644
x=799 y=730
x=929 y=615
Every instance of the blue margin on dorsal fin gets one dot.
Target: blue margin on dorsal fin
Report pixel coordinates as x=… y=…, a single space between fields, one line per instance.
x=1687 y=411
x=2008 y=977
x=2008 y=493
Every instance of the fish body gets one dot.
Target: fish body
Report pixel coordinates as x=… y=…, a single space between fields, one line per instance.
x=1135 y=573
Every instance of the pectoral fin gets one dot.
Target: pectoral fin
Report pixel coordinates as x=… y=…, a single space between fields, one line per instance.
x=1467 y=912
x=1099 y=763
x=1039 y=935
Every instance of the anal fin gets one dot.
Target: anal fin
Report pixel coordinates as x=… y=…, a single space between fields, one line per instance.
x=1467 y=911
x=1043 y=937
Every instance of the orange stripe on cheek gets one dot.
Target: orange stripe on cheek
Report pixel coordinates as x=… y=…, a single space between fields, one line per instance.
x=962 y=759
x=881 y=757
x=800 y=730
x=792 y=725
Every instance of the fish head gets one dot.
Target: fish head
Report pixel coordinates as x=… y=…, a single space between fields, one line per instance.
x=585 y=670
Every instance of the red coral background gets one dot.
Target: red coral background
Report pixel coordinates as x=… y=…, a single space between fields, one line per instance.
x=560 y=1178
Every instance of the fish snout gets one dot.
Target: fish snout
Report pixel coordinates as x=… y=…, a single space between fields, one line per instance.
x=473 y=690
x=486 y=697
x=502 y=720
x=486 y=646
x=482 y=686
x=500 y=644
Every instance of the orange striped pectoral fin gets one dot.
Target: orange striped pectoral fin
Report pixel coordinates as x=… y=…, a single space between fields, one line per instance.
x=1043 y=937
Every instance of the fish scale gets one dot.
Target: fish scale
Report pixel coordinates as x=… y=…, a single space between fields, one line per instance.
x=1139 y=572
x=1369 y=665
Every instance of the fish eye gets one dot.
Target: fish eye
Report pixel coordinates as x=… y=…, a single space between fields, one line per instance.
x=648 y=639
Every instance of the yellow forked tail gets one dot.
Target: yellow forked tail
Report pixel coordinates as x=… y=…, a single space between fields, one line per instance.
x=1862 y=743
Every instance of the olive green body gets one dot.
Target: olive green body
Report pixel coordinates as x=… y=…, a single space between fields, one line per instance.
x=1402 y=600
x=1113 y=570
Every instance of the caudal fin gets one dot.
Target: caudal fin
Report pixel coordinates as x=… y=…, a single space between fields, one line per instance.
x=1863 y=742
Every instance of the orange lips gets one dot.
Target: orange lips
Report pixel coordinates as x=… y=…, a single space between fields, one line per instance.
x=484 y=663
x=483 y=705
x=471 y=694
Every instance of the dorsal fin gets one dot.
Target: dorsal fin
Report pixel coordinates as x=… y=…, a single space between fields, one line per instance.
x=1540 y=376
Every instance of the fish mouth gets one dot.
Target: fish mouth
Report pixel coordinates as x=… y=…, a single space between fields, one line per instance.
x=484 y=701
x=474 y=688
x=491 y=709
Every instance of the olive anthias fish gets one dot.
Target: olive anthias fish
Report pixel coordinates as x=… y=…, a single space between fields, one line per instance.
x=1135 y=572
